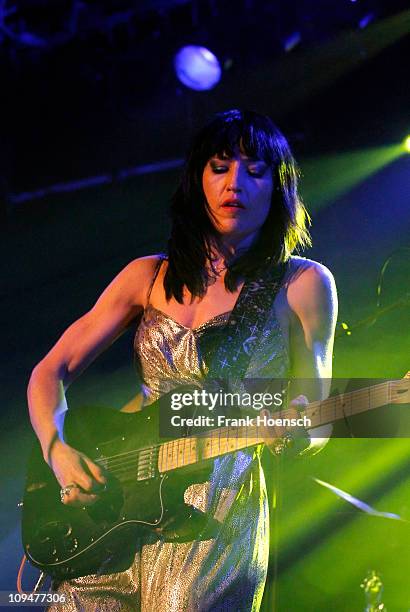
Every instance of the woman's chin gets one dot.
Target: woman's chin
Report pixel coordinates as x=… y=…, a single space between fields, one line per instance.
x=237 y=234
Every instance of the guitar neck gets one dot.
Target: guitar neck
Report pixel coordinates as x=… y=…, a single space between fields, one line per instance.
x=351 y=403
x=209 y=445
x=216 y=442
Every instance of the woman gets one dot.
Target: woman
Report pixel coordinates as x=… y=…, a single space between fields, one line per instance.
x=235 y=212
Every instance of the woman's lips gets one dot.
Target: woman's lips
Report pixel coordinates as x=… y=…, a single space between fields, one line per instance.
x=233 y=205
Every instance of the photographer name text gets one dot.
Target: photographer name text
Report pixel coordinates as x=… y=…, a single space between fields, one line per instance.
x=223 y=421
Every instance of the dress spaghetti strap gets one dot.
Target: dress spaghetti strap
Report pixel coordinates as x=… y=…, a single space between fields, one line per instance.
x=161 y=258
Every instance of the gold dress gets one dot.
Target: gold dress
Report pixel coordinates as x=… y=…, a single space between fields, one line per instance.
x=226 y=572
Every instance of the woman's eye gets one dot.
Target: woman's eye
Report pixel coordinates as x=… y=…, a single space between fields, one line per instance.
x=253 y=171
x=219 y=169
x=256 y=172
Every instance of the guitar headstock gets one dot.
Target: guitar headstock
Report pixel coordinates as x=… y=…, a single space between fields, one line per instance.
x=400 y=390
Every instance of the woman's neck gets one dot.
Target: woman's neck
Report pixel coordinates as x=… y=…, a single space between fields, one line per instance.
x=228 y=250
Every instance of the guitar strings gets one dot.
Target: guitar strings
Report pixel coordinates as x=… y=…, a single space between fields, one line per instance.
x=327 y=408
x=170 y=454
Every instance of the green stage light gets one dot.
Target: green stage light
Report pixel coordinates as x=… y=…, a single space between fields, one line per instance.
x=341 y=172
x=407 y=144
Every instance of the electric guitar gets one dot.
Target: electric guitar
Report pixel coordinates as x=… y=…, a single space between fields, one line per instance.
x=146 y=479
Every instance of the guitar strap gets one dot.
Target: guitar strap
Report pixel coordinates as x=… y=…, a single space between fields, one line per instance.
x=243 y=332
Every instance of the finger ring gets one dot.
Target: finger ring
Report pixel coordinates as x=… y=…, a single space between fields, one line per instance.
x=283 y=443
x=67 y=490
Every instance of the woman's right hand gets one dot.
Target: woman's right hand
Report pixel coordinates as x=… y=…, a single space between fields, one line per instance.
x=72 y=467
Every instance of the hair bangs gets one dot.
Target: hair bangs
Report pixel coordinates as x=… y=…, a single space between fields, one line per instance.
x=253 y=135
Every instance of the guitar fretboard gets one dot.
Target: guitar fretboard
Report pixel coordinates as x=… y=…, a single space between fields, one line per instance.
x=216 y=442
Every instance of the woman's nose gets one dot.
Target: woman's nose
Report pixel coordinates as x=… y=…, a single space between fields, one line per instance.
x=234 y=177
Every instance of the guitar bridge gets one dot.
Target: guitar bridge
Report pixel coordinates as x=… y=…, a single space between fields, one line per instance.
x=147 y=462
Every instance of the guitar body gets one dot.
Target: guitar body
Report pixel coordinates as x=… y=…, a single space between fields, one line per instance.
x=66 y=542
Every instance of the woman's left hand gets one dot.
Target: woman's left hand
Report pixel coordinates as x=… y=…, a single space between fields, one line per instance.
x=280 y=438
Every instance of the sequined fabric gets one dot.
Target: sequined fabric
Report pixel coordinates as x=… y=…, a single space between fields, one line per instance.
x=224 y=573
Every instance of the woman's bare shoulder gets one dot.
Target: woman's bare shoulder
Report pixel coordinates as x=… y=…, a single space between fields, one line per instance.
x=310 y=287
x=136 y=277
x=306 y=271
x=143 y=265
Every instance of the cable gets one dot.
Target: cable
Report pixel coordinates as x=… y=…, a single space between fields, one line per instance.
x=37 y=586
x=20 y=575
x=383 y=270
x=346 y=329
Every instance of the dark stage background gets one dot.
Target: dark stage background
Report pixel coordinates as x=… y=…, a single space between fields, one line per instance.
x=103 y=98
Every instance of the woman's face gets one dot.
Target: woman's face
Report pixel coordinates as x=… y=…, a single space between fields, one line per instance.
x=238 y=190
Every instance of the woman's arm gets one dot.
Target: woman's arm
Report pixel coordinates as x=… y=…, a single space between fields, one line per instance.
x=80 y=344
x=312 y=301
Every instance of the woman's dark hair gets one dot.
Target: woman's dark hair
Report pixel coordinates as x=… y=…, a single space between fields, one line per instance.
x=193 y=234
